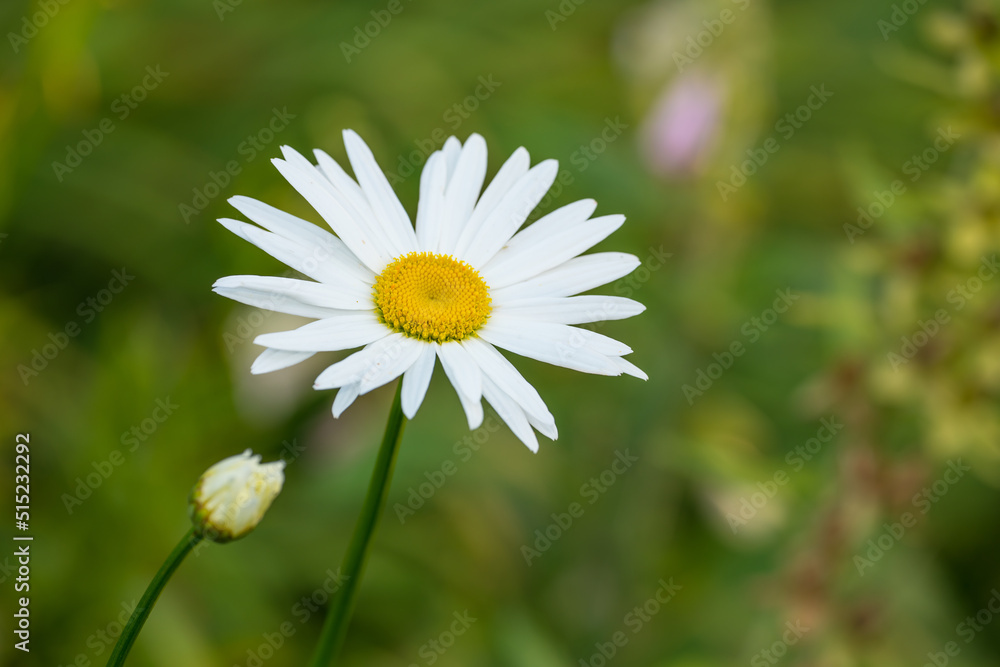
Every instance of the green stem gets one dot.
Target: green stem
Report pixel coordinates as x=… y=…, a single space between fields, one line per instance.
x=335 y=627
x=141 y=613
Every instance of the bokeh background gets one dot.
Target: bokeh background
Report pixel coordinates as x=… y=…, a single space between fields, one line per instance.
x=740 y=137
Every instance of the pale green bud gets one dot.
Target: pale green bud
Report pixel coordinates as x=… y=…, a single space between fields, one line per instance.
x=232 y=496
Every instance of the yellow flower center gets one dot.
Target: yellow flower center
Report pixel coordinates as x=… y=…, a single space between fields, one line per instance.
x=432 y=297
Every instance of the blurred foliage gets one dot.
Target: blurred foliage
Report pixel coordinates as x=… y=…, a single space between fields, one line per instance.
x=695 y=508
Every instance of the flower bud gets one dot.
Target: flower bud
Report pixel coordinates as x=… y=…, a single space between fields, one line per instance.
x=231 y=497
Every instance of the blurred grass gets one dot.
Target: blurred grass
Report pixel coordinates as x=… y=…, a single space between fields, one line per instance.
x=165 y=335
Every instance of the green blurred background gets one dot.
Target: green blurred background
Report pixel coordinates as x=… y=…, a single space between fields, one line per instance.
x=648 y=106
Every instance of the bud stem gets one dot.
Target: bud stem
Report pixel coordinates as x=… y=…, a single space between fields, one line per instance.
x=141 y=613
x=342 y=605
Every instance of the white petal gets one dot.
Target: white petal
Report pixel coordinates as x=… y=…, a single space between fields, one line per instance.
x=389 y=212
x=577 y=275
x=346 y=395
x=564 y=218
x=572 y=309
x=575 y=336
x=511 y=413
x=511 y=213
x=451 y=151
x=275 y=360
x=502 y=373
x=628 y=368
x=430 y=218
x=510 y=173
x=354 y=201
x=465 y=376
x=304 y=233
x=350 y=369
x=546 y=248
x=343 y=296
x=344 y=331
x=350 y=197
x=322 y=196
x=275 y=302
x=554 y=344
x=565 y=221
x=463 y=191
x=313 y=261
x=547 y=429
x=416 y=380
x=394 y=362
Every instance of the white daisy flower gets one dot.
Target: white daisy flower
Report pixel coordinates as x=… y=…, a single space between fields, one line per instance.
x=457 y=286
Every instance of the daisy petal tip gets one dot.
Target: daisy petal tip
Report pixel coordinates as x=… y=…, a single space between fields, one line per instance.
x=475 y=420
x=637 y=373
x=261 y=340
x=632 y=260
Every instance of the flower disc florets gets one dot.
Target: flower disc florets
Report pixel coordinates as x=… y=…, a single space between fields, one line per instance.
x=432 y=297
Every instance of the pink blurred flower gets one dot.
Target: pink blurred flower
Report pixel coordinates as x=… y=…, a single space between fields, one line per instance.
x=680 y=129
